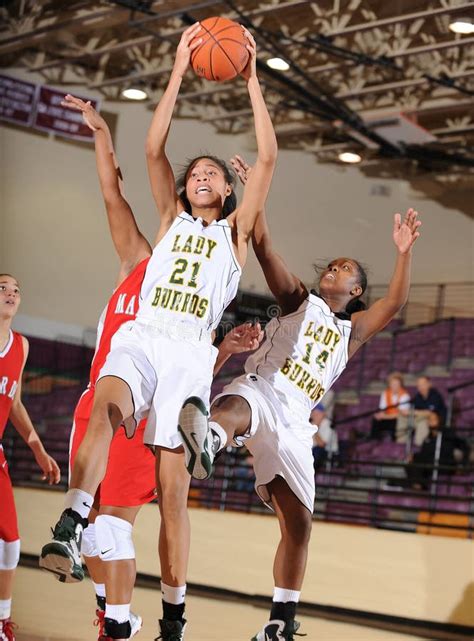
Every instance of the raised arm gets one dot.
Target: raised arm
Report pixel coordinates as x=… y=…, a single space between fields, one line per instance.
x=130 y=244
x=258 y=184
x=367 y=323
x=288 y=290
x=23 y=425
x=161 y=175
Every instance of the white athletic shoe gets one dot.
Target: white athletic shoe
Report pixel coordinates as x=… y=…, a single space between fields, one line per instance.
x=198 y=438
x=62 y=557
x=135 y=623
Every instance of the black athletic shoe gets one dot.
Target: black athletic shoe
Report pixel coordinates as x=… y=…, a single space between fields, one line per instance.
x=62 y=556
x=198 y=438
x=171 y=630
x=115 y=630
x=277 y=630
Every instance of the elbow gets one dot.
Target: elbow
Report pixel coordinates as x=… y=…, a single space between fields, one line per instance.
x=269 y=156
x=153 y=150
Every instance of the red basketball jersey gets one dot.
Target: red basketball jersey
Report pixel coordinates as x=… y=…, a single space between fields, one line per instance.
x=122 y=307
x=11 y=362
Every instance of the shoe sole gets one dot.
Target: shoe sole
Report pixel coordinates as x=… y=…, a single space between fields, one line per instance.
x=56 y=560
x=193 y=427
x=137 y=625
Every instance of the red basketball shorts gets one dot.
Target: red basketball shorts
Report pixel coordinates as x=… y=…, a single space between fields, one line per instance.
x=8 y=518
x=130 y=477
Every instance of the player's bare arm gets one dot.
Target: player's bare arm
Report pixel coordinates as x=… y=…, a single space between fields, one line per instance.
x=258 y=184
x=367 y=323
x=130 y=244
x=287 y=288
x=161 y=175
x=244 y=338
x=23 y=425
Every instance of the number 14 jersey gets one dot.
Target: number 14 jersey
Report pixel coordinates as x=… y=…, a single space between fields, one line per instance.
x=192 y=275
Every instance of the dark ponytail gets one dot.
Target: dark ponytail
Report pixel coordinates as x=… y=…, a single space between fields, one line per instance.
x=356 y=304
x=230 y=203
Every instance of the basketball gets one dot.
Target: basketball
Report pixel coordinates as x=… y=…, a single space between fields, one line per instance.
x=222 y=55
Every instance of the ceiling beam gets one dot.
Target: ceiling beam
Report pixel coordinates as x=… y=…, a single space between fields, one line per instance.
x=408 y=17
x=401 y=84
x=413 y=51
x=18 y=41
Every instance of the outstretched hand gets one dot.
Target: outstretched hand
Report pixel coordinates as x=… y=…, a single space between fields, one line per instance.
x=49 y=467
x=243 y=338
x=405 y=233
x=189 y=41
x=241 y=168
x=250 y=69
x=90 y=116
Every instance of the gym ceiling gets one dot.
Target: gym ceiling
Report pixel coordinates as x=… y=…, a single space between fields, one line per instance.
x=386 y=80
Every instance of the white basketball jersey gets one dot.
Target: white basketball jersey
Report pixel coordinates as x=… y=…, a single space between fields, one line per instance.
x=192 y=275
x=303 y=353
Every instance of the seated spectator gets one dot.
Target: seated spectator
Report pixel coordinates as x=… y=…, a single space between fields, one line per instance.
x=427 y=400
x=325 y=441
x=418 y=477
x=394 y=403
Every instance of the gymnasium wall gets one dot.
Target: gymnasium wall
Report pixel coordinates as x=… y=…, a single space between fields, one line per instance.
x=393 y=573
x=54 y=237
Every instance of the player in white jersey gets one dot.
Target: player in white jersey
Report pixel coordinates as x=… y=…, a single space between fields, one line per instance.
x=166 y=355
x=306 y=349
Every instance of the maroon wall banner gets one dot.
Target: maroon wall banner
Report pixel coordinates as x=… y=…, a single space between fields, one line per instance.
x=38 y=106
x=50 y=116
x=17 y=100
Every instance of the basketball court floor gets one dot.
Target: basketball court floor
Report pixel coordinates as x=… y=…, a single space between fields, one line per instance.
x=46 y=610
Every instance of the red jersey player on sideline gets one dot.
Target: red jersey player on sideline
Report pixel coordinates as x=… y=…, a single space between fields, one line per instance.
x=129 y=482
x=13 y=355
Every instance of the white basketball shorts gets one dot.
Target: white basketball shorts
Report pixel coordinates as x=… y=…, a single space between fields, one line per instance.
x=280 y=439
x=162 y=367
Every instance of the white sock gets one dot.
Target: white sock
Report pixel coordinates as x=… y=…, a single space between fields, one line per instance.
x=172 y=595
x=282 y=595
x=221 y=433
x=99 y=589
x=119 y=613
x=79 y=501
x=5 y=608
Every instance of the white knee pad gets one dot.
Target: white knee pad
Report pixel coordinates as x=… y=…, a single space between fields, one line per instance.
x=89 y=541
x=9 y=554
x=114 y=538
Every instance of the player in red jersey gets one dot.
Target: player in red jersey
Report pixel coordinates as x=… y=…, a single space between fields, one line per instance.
x=13 y=355
x=129 y=482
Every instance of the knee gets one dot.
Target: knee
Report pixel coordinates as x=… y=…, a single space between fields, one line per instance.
x=231 y=403
x=9 y=554
x=298 y=529
x=173 y=502
x=113 y=538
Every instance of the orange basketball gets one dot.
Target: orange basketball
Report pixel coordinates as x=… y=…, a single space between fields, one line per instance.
x=222 y=55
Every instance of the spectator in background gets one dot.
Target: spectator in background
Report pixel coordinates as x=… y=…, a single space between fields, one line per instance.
x=325 y=441
x=427 y=400
x=394 y=403
x=418 y=477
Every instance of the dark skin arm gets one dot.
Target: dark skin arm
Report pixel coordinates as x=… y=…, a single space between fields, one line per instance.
x=288 y=290
x=367 y=323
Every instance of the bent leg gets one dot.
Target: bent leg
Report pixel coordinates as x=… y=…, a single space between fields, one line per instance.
x=233 y=414
x=112 y=405
x=120 y=574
